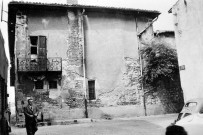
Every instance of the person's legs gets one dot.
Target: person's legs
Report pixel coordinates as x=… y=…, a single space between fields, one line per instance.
x=29 y=132
x=29 y=129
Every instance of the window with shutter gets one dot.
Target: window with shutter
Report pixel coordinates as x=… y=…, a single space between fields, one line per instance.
x=38 y=46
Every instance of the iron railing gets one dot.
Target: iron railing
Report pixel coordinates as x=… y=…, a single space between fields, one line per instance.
x=39 y=64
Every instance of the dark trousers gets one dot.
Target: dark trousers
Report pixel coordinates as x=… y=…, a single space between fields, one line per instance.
x=31 y=127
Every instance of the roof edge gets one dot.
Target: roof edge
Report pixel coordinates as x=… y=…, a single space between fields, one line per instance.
x=86 y=6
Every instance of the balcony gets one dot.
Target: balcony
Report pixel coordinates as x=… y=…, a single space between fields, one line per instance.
x=39 y=64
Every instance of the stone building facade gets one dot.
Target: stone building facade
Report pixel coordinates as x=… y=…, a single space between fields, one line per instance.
x=64 y=54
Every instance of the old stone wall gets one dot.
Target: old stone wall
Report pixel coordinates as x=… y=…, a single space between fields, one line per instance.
x=70 y=92
x=127 y=92
x=72 y=82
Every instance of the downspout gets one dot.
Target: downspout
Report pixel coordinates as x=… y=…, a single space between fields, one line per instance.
x=83 y=62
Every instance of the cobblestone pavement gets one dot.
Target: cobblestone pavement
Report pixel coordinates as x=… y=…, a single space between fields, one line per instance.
x=125 y=126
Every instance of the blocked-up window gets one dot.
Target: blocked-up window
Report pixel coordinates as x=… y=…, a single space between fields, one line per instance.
x=52 y=84
x=39 y=85
x=91 y=86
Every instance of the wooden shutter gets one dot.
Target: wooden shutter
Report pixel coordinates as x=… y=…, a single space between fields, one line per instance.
x=42 y=53
x=42 y=47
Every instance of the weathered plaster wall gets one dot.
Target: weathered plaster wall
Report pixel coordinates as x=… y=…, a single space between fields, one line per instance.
x=63 y=30
x=112 y=58
x=188 y=23
x=52 y=24
x=111 y=50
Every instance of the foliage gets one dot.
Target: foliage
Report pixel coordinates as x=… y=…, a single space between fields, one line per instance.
x=160 y=64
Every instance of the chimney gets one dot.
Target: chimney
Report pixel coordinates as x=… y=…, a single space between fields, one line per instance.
x=72 y=2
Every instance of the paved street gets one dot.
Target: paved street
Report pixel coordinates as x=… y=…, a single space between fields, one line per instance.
x=153 y=125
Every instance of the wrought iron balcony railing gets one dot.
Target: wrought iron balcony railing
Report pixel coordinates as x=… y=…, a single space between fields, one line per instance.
x=39 y=64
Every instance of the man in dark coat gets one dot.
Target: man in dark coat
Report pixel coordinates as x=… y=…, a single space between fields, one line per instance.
x=31 y=113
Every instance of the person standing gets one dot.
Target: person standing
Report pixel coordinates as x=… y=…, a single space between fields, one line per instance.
x=31 y=113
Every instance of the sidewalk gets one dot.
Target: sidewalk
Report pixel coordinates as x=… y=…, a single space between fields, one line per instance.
x=149 y=125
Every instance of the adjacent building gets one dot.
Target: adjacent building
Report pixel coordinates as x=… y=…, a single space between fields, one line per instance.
x=166 y=36
x=63 y=54
x=188 y=24
x=3 y=88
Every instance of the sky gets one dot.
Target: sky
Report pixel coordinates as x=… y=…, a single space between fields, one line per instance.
x=164 y=22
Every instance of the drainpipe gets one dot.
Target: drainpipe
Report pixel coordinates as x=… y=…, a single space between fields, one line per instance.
x=83 y=61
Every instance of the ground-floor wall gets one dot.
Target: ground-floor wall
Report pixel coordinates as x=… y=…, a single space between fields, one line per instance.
x=67 y=100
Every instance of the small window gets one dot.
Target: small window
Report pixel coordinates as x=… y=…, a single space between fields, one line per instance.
x=91 y=85
x=34 y=40
x=39 y=85
x=33 y=50
x=52 y=84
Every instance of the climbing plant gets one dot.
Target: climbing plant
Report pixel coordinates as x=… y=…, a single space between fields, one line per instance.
x=160 y=64
x=161 y=74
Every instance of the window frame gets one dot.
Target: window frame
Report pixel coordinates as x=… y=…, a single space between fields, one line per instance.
x=91 y=96
x=34 y=45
